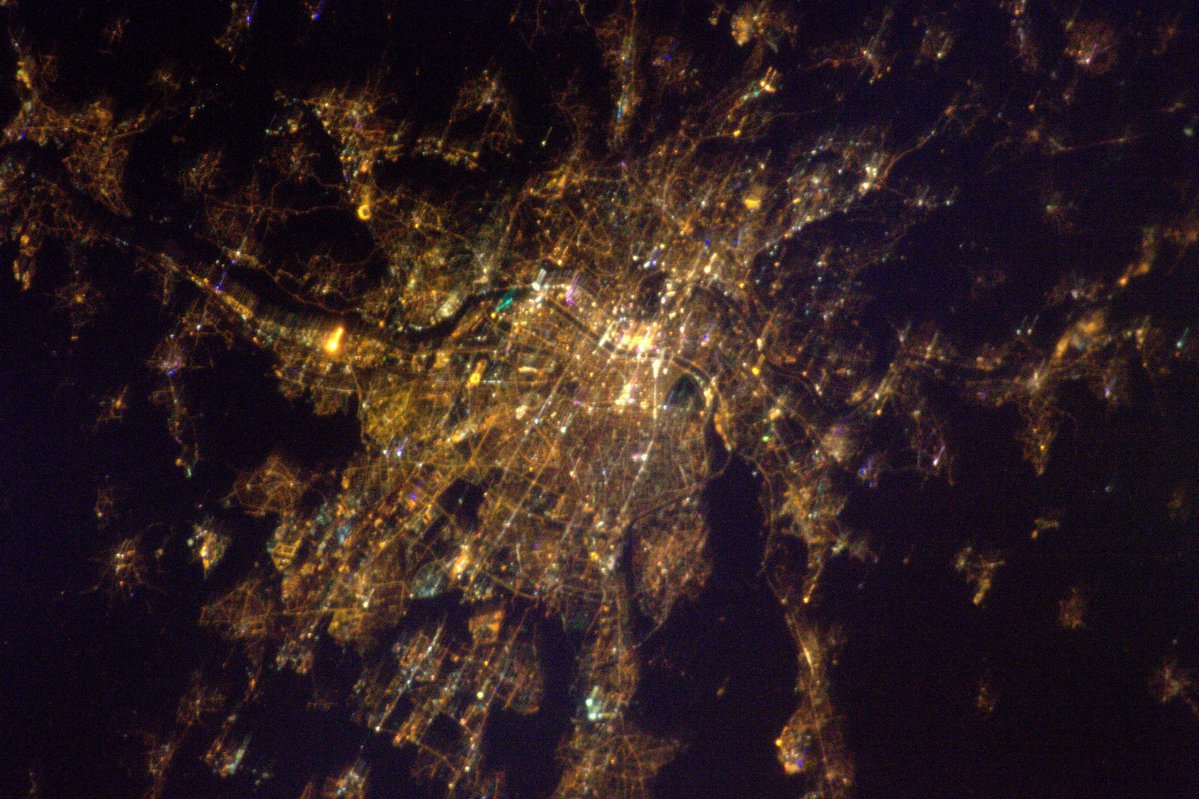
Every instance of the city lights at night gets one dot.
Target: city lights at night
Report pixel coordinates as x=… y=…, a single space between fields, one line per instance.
x=612 y=400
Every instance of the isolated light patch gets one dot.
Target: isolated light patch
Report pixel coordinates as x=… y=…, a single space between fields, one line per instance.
x=333 y=342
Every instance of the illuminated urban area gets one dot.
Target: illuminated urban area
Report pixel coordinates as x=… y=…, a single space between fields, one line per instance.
x=557 y=332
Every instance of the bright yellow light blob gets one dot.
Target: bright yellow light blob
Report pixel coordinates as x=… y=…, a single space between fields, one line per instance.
x=364 y=211
x=476 y=376
x=333 y=342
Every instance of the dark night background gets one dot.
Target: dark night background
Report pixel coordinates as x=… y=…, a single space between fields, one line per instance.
x=88 y=680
